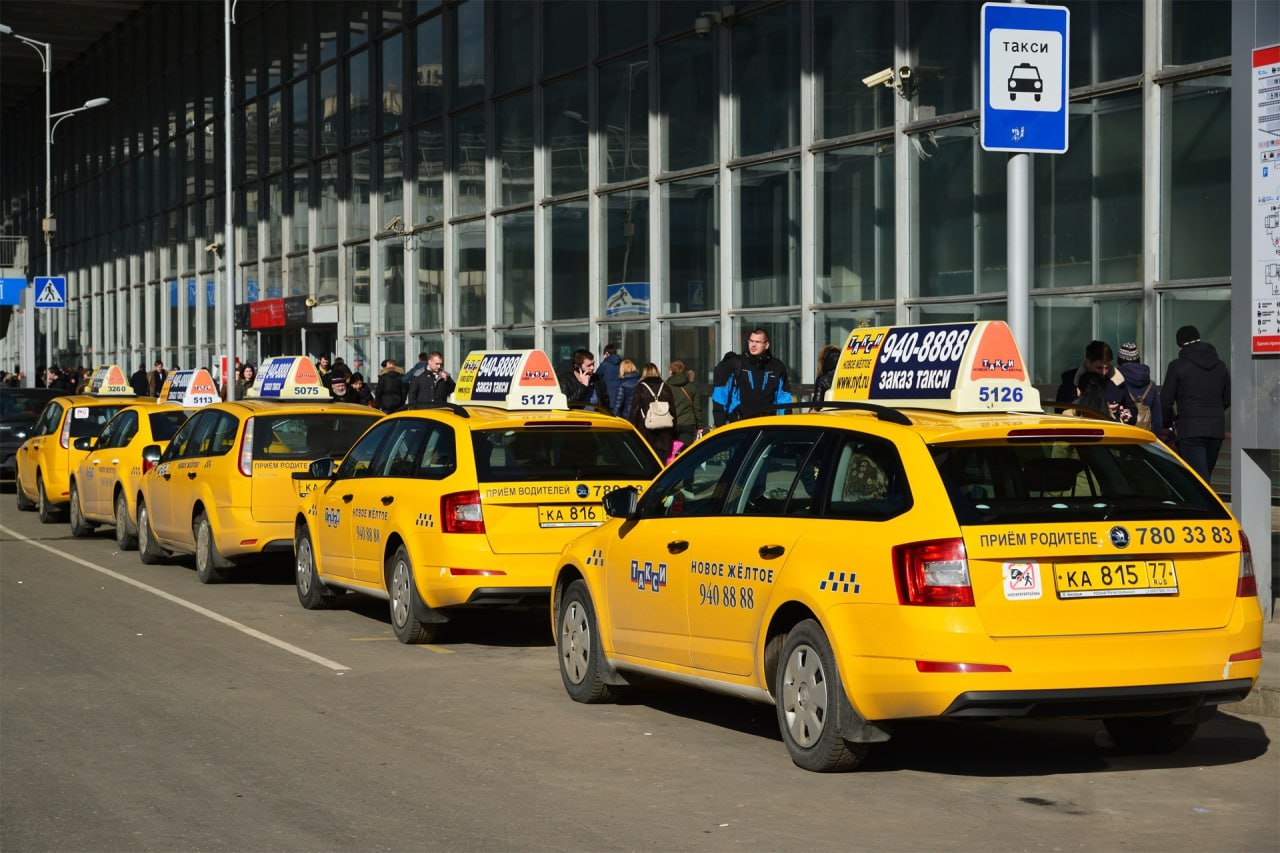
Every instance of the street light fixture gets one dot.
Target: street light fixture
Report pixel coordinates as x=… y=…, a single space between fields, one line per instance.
x=50 y=224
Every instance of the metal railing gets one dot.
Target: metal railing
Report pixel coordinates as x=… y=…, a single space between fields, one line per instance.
x=13 y=253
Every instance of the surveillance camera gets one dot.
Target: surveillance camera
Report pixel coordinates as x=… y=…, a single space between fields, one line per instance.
x=702 y=26
x=880 y=78
x=393 y=224
x=904 y=73
x=214 y=247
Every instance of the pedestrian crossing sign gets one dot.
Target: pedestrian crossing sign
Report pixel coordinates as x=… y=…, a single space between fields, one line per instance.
x=51 y=292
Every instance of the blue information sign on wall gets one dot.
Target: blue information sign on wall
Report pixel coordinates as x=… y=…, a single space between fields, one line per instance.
x=11 y=290
x=1024 y=77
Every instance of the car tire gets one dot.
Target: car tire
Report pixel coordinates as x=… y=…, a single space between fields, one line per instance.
x=149 y=550
x=809 y=697
x=208 y=561
x=579 y=650
x=1149 y=735
x=48 y=515
x=79 y=527
x=25 y=504
x=125 y=540
x=312 y=593
x=402 y=594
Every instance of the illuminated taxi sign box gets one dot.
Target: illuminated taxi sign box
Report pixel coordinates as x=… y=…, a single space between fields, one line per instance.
x=190 y=389
x=509 y=379
x=288 y=377
x=953 y=367
x=110 y=381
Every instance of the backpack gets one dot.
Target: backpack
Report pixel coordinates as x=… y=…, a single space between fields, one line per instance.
x=658 y=414
x=1143 y=414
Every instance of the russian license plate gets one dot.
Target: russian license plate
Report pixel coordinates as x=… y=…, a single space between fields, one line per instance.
x=1122 y=577
x=571 y=515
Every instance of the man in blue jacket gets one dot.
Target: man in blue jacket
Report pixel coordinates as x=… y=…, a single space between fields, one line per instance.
x=751 y=384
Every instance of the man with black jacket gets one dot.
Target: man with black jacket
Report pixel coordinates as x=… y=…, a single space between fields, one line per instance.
x=432 y=384
x=750 y=384
x=582 y=384
x=1198 y=385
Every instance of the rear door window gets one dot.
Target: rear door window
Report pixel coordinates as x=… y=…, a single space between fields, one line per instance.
x=164 y=425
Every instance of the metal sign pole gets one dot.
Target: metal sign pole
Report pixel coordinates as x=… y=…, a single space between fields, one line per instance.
x=229 y=211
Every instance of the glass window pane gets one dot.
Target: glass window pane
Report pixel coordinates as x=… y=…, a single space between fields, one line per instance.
x=1209 y=310
x=1200 y=30
x=359 y=185
x=250 y=251
x=469 y=82
x=328 y=126
x=689 y=104
x=946 y=33
x=299 y=276
x=357 y=23
x=851 y=40
x=833 y=325
x=1106 y=40
x=431 y=280
x=469 y=240
x=515 y=149
x=563 y=340
x=626 y=254
x=272 y=279
x=428 y=69
x=393 y=286
x=1197 y=188
x=358 y=97
x=327 y=225
x=275 y=131
x=252 y=148
x=564 y=35
x=392 y=180
x=622 y=25
x=569 y=260
x=327 y=276
x=301 y=29
x=693 y=244
x=566 y=133
x=696 y=342
x=513 y=45
x=516 y=256
x=469 y=342
x=300 y=150
x=768 y=263
x=275 y=217
x=326 y=15
x=855 y=252
x=624 y=113
x=468 y=162
x=392 y=100
x=1061 y=327
x=766 y=75
x=430 y=177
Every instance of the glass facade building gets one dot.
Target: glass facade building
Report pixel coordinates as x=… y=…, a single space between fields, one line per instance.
x=422 y=175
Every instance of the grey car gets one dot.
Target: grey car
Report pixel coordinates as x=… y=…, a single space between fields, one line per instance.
x=19 y=408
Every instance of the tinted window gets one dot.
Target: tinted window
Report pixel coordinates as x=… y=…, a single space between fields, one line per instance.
x=868 y=481
x=49 y=419
x=182 y=439
x=359 y=462
x=164 y=425
x=22 y=404
x=89 y=420
x=1061 y=481
x=307 y=436
x=541 y=454
x=698 y=481
x=123 y=427
x=417 y=448
x=779 y=477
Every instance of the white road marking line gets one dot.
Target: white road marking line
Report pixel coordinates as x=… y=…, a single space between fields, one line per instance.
x=216 y=617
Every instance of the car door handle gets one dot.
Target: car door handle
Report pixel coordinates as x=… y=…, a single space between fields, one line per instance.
x=346 y=499
x=676 y=546
x=97 y=462
x=115 y=461
x=770 y=552
x=191 y=475
x=387 y=499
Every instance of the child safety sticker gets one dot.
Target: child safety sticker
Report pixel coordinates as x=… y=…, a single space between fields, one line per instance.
x=1022 y=581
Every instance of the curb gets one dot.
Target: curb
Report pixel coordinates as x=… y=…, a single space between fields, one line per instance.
x=1261 y=702
x=1264 y=699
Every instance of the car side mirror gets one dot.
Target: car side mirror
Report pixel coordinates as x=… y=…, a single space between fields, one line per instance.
x=85 y=442
x=150 y=457
x=321 y=469
x=621 y=503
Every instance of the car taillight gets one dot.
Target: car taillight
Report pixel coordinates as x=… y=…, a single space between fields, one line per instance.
x=1246 y=582
x=65 y=438
x=933 y=573
x=246 y=449
x=462 y=513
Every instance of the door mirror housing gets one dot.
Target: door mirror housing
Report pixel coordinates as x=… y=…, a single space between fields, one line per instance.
x=621 y=503
x=85 y=442
x=150 y=457
x=321 y=469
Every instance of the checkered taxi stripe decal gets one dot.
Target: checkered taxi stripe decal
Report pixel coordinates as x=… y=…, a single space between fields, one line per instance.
x=836 y=582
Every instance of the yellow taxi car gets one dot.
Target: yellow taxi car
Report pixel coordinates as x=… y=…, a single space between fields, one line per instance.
x=104 y=489
x=222 y=489
x=464 y=504
x=46 y=460
x=934 y=546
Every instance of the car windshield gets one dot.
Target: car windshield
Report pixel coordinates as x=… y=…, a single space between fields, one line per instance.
x=1052 y=481
x=543 y=454
x=165 y=424
x=89 y=420
x=308 y=436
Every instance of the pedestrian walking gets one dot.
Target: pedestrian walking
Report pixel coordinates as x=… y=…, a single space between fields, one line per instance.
x=628 y=377
x=389 y=395
x=1142 y=389
x=1194 y=400
x=610 y=370
x=652 y=411
x=688 y=408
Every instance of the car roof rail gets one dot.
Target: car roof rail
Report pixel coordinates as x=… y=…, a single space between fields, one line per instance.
x=460 y=411
x=884 y=413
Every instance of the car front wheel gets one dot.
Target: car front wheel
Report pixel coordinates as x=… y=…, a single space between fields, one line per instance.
x=80 y=528
x=312 y=594
x=579 y=649
x=149 y=550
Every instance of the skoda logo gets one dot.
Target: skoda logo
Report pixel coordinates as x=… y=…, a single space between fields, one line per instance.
x=1119 y=537
x=583 y=491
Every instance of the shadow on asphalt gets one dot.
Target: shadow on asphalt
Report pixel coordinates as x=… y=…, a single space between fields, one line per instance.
x=980 y=749
x=503 y=627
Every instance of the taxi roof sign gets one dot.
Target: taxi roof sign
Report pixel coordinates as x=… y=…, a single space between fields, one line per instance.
x=951 y=367
x=288 y=377
x=109 y=381
x=509 y=379
x=190 y=389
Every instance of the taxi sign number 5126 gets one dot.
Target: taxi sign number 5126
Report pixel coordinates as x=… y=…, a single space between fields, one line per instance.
x=1000 y=394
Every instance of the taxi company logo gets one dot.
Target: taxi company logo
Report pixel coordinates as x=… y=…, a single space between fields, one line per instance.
x=596 y=558
x=836 y=582
x=864 y=344
x=998 y=364
x=535 y=374
x=582 y=490
x=1119 y=537
x=655 y=579
x=332 y=517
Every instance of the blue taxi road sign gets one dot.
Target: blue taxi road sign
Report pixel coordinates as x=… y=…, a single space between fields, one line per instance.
x=11 y=290
x=1024 y=77
x=51 y=291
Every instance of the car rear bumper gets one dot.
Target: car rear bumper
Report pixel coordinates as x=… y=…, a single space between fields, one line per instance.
x=1099 y=701
x=452 y=577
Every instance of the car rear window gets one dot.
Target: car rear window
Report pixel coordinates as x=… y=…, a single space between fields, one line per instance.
x=165 y=424
x=1066 y=481
x=89 y=420
x=18 y=403
x=548 y=454
x=307 y=436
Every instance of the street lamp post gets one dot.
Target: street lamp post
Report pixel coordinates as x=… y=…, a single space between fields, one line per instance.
x=50 y=224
